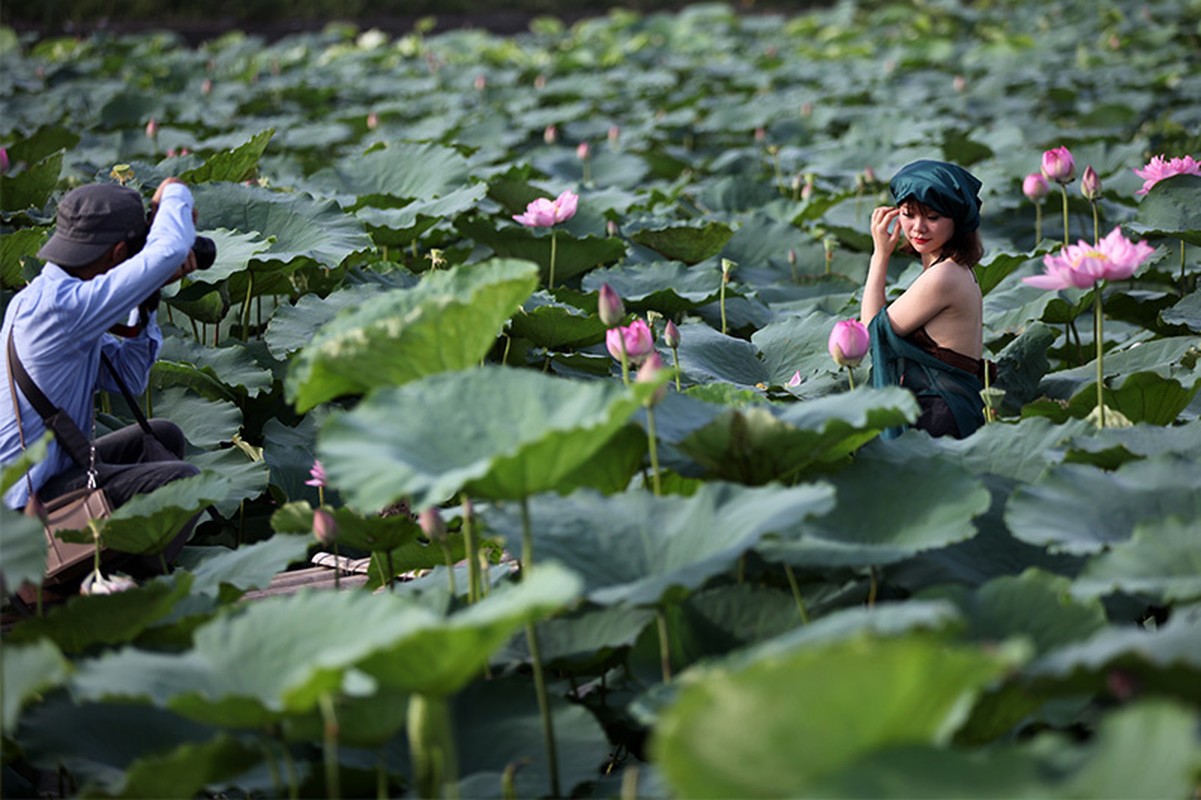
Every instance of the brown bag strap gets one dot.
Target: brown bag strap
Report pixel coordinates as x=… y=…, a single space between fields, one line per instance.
x=72 y=440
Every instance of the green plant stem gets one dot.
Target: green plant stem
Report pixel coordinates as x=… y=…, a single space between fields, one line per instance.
x=873 y=587
x=1182 y=266
x=1038 y=222
x=724 y=279
x=675 y=354
x=796 y=594
x=337 y=567
x=1097 y=334
x=851 y=376
x=246 y=307
x=652 y=445
x=290 y=768
x=553 y=247
x=548 y=725
x=473 y=555
x=625 y=358
x=1063 y=188
x=664 y=645
x=330 y=733
x=1096 y=225
x=432 y=747
x=450 y=568
x=527 y=539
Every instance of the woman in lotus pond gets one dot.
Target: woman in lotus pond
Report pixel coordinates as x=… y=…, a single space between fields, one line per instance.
x=930 y=339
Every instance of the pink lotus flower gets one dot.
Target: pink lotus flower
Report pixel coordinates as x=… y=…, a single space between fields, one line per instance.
x=96 y=584
x=544 y=213
x=649 y=373
x=671 y=335
x=1035 y=187
x=1159 y=168
x=1082 y=265
x=316 y=475
x=152 y=128
x=325 y=527
x=795 y=381
x=3 y=159
x=639 y=341
x=1058 y=165
x=432 y=524
x=583 y=151
x=1090 y=184
x=848 y=343
x=609 y=307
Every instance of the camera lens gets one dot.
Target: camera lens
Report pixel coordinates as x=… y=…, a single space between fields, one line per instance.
x=206 y=252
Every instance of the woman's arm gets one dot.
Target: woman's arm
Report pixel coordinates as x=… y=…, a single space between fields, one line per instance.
x=884 y=242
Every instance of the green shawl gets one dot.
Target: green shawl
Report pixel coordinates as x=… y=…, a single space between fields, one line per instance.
x=925 y=376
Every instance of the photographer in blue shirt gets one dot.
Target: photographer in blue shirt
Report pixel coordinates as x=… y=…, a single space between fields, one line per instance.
x=103 y=261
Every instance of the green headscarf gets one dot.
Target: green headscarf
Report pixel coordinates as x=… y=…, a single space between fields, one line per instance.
x=947 y=188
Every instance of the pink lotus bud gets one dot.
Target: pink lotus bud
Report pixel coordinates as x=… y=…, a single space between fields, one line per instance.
x=612 y=228
x=1035 y=186
x=172 y=152
x=959 y=83
x=583 y=151
x=649 y=373
x=671 y=335
x=1090 y=184
x=184 y=151
x=372 y=121
x=792 y=259
x=325 y=527
x=96 y=584
x=869 y=176
x=152 y=128
x=206 y=87
x=639 y=341
x=3 y=159
x=550 y=135
x=540 y=82
x=614 y=135
x=848 y=343
x=481 y=83
x=760 y=134
x=807 y=189
x=432 y=524
x=1058 y=165
x=316 y=475
x=609 y=307
x=806 y=109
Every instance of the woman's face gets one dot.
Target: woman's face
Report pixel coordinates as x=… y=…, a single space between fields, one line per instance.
x=927 y=230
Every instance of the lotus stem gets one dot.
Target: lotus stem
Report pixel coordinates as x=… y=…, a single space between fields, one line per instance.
x=290 y=767
x=548 y=725
x=629 y=784
x=625 y=359
x=1038 y=223
x=664 y=646
x=473 y=560
x=246 y=306
x=652 y=445
x=553 y=247
x=432 y=747
x=796 y=594
x=1182 y=266
x=1064 y=190
x=381 y=778
x=337 y=568
x=675 y=355
x=851 y=376
x=1096 y=225
x=330 y=731
x=1097 y=334
x=873 y=587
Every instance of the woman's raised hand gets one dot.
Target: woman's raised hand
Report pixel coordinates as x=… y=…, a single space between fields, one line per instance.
x=885 y=240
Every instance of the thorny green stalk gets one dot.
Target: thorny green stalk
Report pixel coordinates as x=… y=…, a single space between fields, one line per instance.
x=473 y=554
x=652 y=445
x=330 y=733
x=1097 y=331
x=796 y=594
x=1063 y=188
x=531 y=637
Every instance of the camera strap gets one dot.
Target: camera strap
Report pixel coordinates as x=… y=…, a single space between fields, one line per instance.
x=68 y=434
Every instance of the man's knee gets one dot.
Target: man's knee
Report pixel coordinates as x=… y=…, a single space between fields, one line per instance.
x=170 y=434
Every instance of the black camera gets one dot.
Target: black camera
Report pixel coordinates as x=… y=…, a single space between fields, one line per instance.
x=205 y=250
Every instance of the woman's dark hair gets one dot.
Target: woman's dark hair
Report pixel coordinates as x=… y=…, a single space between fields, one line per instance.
x=964 y=247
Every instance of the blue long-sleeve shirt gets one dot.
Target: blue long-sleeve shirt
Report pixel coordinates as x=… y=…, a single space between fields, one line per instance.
x=60 y=325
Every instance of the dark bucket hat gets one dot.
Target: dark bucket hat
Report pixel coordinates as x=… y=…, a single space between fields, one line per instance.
x=947 y=188
x=91 y=219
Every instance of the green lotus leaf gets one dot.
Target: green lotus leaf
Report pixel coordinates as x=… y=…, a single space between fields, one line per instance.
x=397 y=170
x=397 y=227
x=44 y=142
x=706 y=355
x=33 y=187
x=250 y=667
x=1077 y=508
x=883 y=515
x=798 y=344
x=85 y=622
x=1142 y=397
x=650 y=550
x=289 y=454
x=668 y=287
x=15 y=249
x=448 y=321
x=1022 y=365
x=248 y=476
x=23 y=541
x=494 y=432
x=1166 y=658
x=1109 y=448
x=1186 y=312
x=573 y=255
x=689 y=242
x=1142 y=751
x=1160 y=560
x=1172 y=357
x=219 y=373
x=373 y=533
x=759 y=444
x=1171 y=209
x=29 y=670
x=202 y=302
x=296 y=225
x=587 y=640
x=250 y=566
x=235 y=165
x=189 y=768
x=551 y=324
x=497 y=725
x=235 y=251
x=148 y=522
x=292 y=327
x=363 y=722
x=737 y=732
